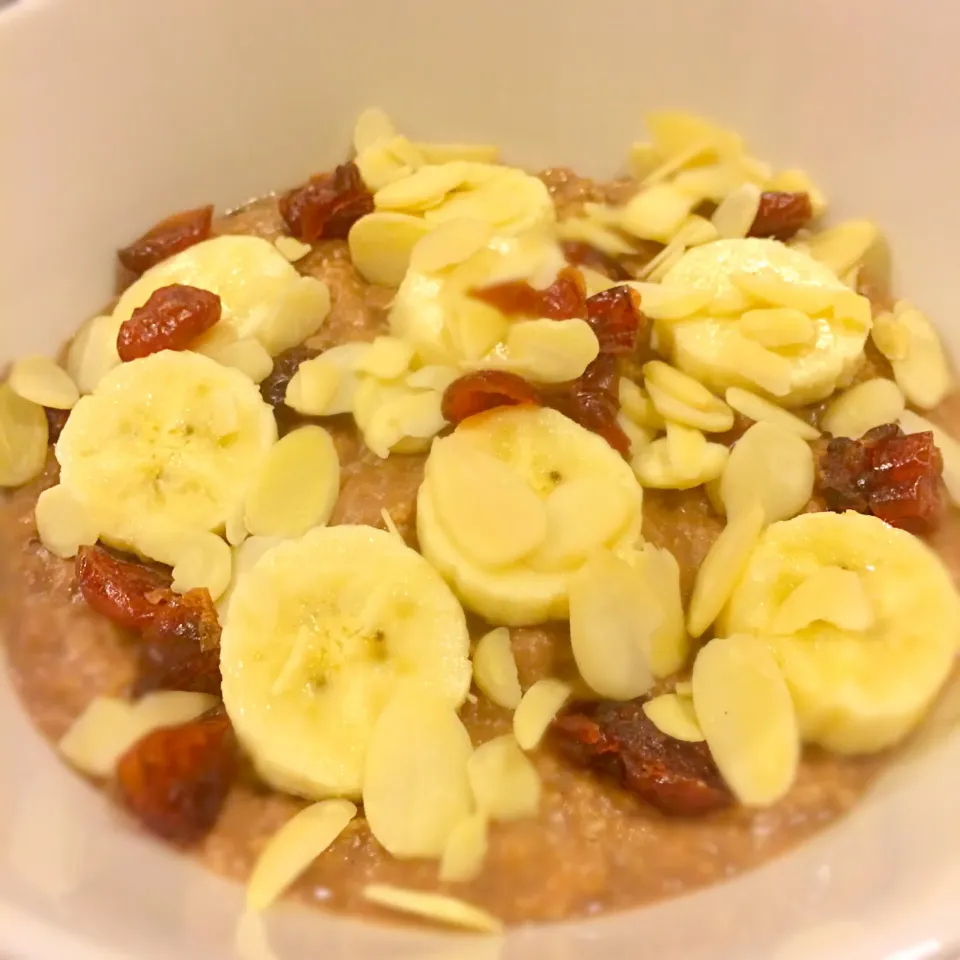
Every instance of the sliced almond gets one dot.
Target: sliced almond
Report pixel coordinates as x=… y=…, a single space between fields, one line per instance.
x=674 y=716
x=505 y=784
x=551 y=351
x=686 y=449
x=505 y=200
x=664 y=261
x=852 y=308
x=599 y=236
x=696 y=230
x=399 y=420
x=466 y=848
x=754 y=362
x=345 y=357
x=656 y=213
x=642 y=160
x=422 y=189
x=717 y=420
x=245 y=354
x=775 y=327
x=748 y=719
x=201 y=561
x=294 y=847
x=415 y=788
x=735 y=214
x=235 y=529
x=949 y=448
x=613 y=615
x=433 y=377
x=923 y=375
x=63 y=523
x=722 y=567
x=450 y=243
x=292 y=248
x=637 y=405
x=762 y=410
x=583 y=515
x=863 y=407
x=539 y=705
x=669 y=644
x=844 y=245
x=495 y=669
x=433 y=906
x=832 y=595
x=670 y=303
x=673 y=383
x=476 y=328
x=654 y=466
x=770 y=288
x=714 y=181
x=639 y=437
x=245 y=556
x=297 y=485
x=683 y=688
x=381 y=245
x=313 y=386
x=450 y=152
x=93 y=352
x=41 y=381
x=23 y=438
x=490 y=511
x=891 y=337
x=675 y=132
x=372 y=126
x=770 y=466
x=108 y=727
x=300 y=313
x=380 y=166
x=387 y=359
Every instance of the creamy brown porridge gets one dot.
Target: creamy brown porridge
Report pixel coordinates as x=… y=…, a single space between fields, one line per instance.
x=629 y=807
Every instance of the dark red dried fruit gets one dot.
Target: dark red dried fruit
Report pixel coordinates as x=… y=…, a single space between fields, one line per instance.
x=273 y=389
x=175 y=780
x=618 y=740
x=327 y=205
x=180 y=649
x=564 y=299
x=583 y=255
x=890 y=475
x=474 y=393
x=171 y=319
x=781 y=214
x=614 y=316
x=56 y=421
x=127 y=593
x=168 y=237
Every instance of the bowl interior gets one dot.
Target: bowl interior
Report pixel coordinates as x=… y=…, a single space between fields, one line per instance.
x=116 y=114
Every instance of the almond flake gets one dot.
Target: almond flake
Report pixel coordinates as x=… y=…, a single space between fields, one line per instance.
x=734 y=217
x=656 y=213
x=63 y=523
x=495 y=670
x=832 y=595
x=923 y=375
x=23 y=438
x=654 y=466
x=843 y=246
x=674 y=716
x=449 y=152
x=864 y=406
x=637 y=405
x=505 y=784
x=41 y=381
x=292 y=248
x=775 y=327
x=465 y=850
x=670 y=303
x=598 y=235
x=382 y=243
x=762 y=410
x=539 y=705
x=387 y=359
x=313 y=386
x=433 y=906
x=551 y=351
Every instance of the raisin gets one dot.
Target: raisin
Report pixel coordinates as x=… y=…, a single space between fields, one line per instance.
x=168 y=237
x=175 y=780
x=618 y=740
x=56 y=421
x=474 y=393
x=273 y=389
x=327 y=205
x=581 y=254
x=127 y=593
x=180 y=649
x=780 y=215
x=171 y=319
x=564 y=299
x=614 y=316
x=892 y=476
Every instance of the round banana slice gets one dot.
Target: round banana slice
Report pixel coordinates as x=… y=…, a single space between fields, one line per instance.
x=714 y=348
x=261 y=293
x=165 y=443
x=550 y=493
x=317 y=637
x=855 y=690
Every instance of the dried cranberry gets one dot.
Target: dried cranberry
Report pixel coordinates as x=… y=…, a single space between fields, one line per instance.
x=583 y=255
x=780 y=215
x=619 y=740
x=175 y=780
x=564 y=299
x=127 y=593
x=614 y=316
x=474 y=393
x=168 y=237
x=171 y=319
x=327 y=205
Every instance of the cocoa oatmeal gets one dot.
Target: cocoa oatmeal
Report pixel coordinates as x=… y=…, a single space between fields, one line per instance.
x=627 y=814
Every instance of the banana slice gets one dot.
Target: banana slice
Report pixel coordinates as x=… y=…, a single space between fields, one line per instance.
x=261 y=292
x=317 y=636
x=166 y=444
x=514 y=501
x=855 y=691
x=714 y=348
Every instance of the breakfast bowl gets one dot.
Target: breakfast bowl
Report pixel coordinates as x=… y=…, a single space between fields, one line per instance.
x=511 y=561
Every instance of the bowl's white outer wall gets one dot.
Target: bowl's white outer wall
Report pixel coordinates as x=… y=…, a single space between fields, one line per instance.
x=114 y=113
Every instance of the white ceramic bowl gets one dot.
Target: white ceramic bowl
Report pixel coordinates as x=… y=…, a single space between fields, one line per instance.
x=115 y=113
